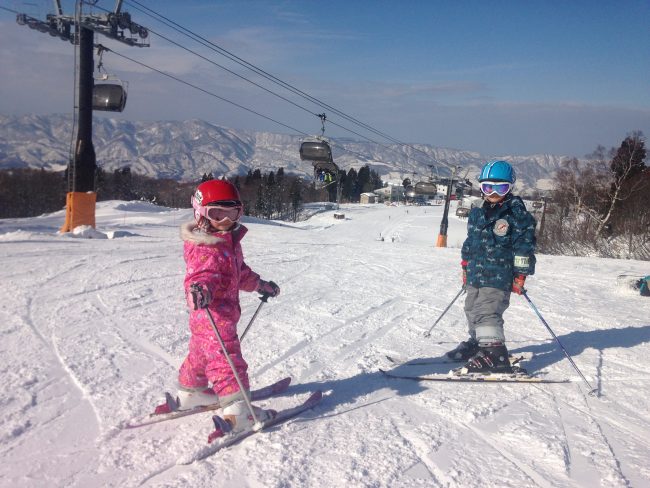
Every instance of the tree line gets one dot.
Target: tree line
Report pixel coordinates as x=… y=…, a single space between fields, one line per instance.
x=601 y=206
x=272 y=195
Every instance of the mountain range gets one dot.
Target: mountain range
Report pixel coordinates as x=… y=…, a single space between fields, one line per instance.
x=186 y=149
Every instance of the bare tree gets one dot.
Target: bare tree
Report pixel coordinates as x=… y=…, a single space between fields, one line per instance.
x=626 y=166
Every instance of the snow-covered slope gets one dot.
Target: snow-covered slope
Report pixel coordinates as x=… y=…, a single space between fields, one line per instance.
x=185 y=149
x=93 y=331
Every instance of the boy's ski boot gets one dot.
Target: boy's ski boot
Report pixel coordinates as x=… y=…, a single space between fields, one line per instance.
x=464 y=350
x=489 y=359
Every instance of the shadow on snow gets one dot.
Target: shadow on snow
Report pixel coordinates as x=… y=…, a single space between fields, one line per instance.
x=350 y=390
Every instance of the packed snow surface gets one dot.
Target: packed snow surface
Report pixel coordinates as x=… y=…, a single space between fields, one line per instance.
x=94 y=328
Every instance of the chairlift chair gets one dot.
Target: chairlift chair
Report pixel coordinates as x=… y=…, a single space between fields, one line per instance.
x=425 y=188
x=110 y=96
x=109 y=92
x=325 y=173
x=317 y=150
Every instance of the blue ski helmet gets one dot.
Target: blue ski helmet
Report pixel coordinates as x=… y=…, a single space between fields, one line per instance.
x=497 y=171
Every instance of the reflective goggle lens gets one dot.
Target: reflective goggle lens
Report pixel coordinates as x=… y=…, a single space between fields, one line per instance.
x=501 y=189
x=231 y=209
x=218 y=213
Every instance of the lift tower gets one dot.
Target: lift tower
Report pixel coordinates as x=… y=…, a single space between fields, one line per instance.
x=80 y=30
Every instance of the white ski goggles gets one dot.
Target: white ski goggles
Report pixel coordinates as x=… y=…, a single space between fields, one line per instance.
x=501 y=188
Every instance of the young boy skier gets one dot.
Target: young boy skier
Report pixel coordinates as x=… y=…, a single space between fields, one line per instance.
x=497 y=256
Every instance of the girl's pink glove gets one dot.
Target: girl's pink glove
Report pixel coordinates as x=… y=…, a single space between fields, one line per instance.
x=268 y=288
x=199 y=296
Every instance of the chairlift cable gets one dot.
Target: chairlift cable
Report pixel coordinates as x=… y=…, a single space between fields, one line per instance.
x=263 y=73
x=321 y=116
x=272 y=92
x=230 y=71
x=270 y=77
x=207 y=92
x=103 y=49
x=9 y=10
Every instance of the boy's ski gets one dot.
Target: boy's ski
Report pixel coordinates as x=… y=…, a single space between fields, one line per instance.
x=220 y=440
x=418 y=362
x=514 y=359
x=476 y=377
x=169 y=409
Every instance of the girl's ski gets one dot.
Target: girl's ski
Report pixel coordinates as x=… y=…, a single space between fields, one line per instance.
x=167 y=410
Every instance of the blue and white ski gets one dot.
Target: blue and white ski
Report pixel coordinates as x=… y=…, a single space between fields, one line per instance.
x=514 y=359
x=456 y=376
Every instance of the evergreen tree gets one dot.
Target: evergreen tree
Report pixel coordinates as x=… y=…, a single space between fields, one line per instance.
x=349 y=184
x=375 y=180
x=295 y=197
x=281 y=198
x=259 y=202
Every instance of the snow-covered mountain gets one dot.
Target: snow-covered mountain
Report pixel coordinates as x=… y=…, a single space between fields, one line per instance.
x=184 y=149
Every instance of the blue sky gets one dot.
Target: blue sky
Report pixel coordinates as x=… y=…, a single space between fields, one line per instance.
x=495 y=77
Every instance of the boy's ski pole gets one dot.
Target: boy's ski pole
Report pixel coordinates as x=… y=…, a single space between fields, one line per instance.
x=592 y=391
x=462 y=290
x=257 y=424
x=264 y=298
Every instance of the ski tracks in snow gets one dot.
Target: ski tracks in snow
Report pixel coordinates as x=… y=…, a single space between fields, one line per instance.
x=571 y=448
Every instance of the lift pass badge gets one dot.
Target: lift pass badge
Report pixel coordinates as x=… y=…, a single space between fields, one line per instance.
x=501 y=227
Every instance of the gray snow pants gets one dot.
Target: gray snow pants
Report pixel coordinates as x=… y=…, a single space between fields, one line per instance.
x=484 y=309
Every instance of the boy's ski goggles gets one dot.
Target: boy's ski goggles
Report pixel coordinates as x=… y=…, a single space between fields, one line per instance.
x=501 y=188
x=218 y=211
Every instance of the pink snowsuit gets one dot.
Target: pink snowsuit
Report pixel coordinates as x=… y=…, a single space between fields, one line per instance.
x=216 y=261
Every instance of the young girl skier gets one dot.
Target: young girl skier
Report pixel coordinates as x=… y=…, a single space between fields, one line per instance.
x=216 y=271
x=497 y=256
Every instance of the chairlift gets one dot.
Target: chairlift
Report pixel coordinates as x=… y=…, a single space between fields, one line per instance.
x=425 y=188
x=325 y=173
x=109 y=95
x=317 y=150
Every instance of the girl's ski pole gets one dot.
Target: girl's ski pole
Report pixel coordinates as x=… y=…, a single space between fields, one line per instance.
x=592 y=391
x=257 y=424
x=264 y=298
x=462 y=290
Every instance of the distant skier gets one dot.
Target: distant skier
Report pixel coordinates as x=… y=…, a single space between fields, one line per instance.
x=216 y=271
x=497 y=256
x=640 y=284
x=644 y=286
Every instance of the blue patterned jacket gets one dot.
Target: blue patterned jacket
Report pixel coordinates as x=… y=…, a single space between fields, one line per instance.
x=500 y=243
